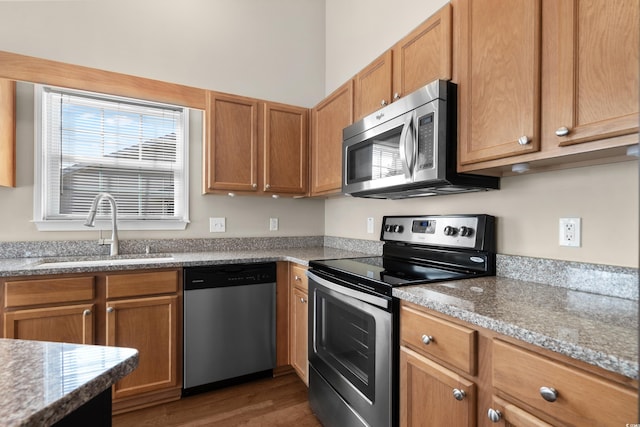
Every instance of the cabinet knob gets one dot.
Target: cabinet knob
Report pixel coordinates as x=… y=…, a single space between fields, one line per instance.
x=383 y=103
x=459 y=394
x=549 y=394
x=254 y=185
x=232 y=194
x=562 y=131
x=427 y=339
x=297 y=278
x=86 y=312
x=396 y=96
x=524 y=140
x=302 y=300
x=110 y=309
x=267 y=187
x=494 y=415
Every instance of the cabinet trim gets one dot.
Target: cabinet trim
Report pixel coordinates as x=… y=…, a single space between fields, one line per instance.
x=7 y=133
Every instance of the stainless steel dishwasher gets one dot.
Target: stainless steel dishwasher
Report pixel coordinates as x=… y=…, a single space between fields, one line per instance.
x=229 y=324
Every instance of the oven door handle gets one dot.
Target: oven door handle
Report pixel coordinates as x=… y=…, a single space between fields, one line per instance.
x=371 y=299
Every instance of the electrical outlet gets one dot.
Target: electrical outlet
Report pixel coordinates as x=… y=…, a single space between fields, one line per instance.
x=273 y=224
x=370 y=225
x=570 y=232
x=217 y=225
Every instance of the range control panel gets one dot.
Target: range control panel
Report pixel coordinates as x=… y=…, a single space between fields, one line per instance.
x=459 y=231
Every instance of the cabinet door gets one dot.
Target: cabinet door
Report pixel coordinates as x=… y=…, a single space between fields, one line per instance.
x=499 y=78
x=150 y=326
x=231 y=146
x=590 y=70
x=373 y=86
x=428 y=394
x=285 y=141
x=509 y=415
x=299 y=311
x=72 y=324
x=328 y=120
x=7 y=133
x=424 y=55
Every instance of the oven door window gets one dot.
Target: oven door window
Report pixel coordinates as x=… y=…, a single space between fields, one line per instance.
x=345 y=340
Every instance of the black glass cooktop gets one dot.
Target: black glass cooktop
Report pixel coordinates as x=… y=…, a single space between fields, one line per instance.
x=386 y=271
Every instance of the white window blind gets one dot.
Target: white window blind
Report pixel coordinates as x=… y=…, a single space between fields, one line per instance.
x=134 y=150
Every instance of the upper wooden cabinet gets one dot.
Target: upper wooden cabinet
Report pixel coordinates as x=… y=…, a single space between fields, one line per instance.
x=499 y=78
x=328 y=119
x=7 y=133
x=590 y=70
x=422 y=56
x=538 y=77
x=285 y=139
x=254 y=147
x=231 y=148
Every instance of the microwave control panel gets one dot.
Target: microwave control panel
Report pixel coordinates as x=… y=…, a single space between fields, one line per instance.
x=426 y=142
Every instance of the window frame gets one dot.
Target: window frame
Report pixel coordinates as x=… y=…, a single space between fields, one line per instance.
x=70 y=224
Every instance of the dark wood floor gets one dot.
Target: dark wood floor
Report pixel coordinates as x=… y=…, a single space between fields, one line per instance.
x=280 y=401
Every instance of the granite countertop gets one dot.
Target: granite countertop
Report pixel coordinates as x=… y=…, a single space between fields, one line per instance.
x=41 y=266
x=42 y=382
x=597 y=329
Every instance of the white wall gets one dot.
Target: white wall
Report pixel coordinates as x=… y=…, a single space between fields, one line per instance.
x=271 y=50
x=528 y=207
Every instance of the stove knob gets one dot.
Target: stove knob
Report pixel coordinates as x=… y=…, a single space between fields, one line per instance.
x=450 y=231
x=466 y=231
x=398 y=228
x=388 y=228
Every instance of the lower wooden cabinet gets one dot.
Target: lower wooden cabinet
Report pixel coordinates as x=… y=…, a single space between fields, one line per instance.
x=431 y=395
x=149 y=325
x=298 y=315
x=514 y=383
x=71 y=323
x=141 y=310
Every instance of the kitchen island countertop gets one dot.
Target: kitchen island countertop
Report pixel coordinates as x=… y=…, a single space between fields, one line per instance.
x=43 y=382
x=597 y=329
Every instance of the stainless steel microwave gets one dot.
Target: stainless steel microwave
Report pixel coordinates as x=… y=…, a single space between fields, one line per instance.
x=408 y=149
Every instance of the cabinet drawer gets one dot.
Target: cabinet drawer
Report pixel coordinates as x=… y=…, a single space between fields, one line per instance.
x=582 y=398
x=298 y=277
x=450 y=343
x=138 y=284
x=20 y=293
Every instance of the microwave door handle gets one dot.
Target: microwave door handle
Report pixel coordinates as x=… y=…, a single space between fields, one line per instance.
x=406 y=146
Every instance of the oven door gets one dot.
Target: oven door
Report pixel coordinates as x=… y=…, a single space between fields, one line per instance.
x=351 y=361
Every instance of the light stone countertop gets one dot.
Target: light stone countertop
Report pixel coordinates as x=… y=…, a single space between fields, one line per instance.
x=32 y=266
x=597 y=329
x=42 y=382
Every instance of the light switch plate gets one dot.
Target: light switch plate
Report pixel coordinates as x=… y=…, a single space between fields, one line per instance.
x=273 y=224
x=370 y=225
x=217 y=225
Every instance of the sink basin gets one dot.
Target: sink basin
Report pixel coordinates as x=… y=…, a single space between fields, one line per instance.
x=102 y=262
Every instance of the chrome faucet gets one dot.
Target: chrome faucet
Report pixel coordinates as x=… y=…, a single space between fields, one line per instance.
x=91 y=218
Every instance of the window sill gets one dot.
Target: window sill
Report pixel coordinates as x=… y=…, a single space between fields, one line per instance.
x=78 y=225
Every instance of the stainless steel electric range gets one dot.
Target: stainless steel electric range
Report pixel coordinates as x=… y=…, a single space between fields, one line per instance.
x=353 y=317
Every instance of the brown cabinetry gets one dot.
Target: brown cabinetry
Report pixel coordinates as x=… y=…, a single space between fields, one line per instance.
x=566 y=394
x=60 y=310
x=137 y=310
x=254 y=147
x=299 y=311
x=141 y=312
x=7 y=133
x=538 y=76
x=419 y=58
x=505 y=382
x=328 y=119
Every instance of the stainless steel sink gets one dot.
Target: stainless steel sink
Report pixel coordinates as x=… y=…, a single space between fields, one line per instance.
x=103 y=262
